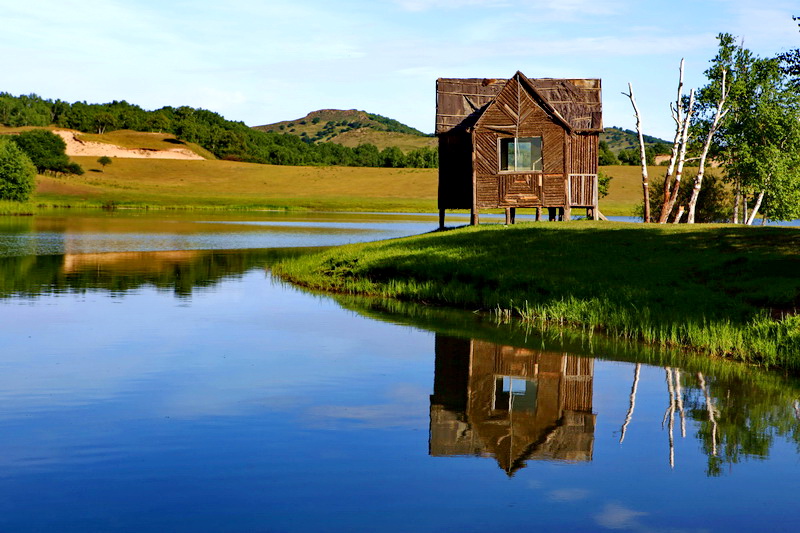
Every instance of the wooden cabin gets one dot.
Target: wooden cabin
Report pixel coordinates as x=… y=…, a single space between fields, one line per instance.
x=520 y=142
x=510 y=403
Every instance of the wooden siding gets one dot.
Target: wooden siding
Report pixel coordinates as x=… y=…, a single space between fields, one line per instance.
x=583 y=154
x=582 y=190
x=474 y=114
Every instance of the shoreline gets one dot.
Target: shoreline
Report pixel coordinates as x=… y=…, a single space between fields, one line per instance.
x=722 y=290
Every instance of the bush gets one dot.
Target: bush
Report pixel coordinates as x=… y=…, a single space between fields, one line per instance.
x=17 y=173
x=46 y=150
x=713 y=203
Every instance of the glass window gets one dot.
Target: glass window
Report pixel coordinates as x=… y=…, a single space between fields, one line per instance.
x=521 y=154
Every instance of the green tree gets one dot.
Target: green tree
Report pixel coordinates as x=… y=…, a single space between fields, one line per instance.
x=104 y=160
x=46 y=150
x=606 y=156
x=17 y=173
x=759 y=140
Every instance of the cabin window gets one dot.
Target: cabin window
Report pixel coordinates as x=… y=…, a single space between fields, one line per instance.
x=520 y=154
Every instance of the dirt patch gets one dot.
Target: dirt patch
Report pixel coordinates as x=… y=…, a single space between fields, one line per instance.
x=77 y=147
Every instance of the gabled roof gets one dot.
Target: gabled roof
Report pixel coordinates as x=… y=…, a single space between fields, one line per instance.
x=576 y=103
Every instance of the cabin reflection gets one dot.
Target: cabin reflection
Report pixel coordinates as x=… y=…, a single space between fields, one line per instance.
x=513 y=404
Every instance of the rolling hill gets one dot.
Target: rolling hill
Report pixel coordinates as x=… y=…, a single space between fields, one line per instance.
x=351 y=128
x=621 y=139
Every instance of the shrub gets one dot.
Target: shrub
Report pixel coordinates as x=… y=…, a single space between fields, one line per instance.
x=17 y=173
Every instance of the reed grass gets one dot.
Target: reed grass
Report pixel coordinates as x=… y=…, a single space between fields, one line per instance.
x=719 y=289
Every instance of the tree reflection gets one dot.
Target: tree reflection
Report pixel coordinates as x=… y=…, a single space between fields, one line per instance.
x=119 y=272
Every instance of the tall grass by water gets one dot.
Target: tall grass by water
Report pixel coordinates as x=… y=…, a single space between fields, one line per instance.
x=718 y=289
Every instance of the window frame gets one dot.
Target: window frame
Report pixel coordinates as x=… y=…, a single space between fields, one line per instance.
x=500 y=141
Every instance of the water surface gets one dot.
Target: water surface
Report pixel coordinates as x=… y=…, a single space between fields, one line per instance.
x=187 y=390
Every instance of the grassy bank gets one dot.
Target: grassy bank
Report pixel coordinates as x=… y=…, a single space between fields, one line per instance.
x=722 y=290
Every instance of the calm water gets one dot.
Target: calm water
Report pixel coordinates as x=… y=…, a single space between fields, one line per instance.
x=151 y=379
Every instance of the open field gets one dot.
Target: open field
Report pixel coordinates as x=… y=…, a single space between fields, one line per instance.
x=723 y=290
x=221 y=184
x=228 y=184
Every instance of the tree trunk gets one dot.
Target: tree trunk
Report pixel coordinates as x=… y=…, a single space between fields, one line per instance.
x=737 y=201
x=665 y=212
x=678 y=215
x=676 y=143
x=698 y=181
x=756 y=207
x=642 y=154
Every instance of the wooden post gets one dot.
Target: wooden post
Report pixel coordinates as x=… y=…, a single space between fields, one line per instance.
x=538 y=214
x=441 y=218
x=474 y=218
x=568 y=202
x=508 y=216
x=513 y=215
x=595 y=198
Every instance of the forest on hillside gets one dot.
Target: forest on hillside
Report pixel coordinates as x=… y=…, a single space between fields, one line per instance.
x=226 y=139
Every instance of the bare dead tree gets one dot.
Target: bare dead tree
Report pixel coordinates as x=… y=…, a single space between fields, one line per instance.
x=642 y=155
x=677 y=116
x=719 y=114
x=684 y=142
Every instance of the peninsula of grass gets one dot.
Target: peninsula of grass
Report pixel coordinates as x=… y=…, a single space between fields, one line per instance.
x=723 y=290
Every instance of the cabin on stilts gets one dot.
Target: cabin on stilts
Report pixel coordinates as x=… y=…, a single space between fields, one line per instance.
x=521 y=142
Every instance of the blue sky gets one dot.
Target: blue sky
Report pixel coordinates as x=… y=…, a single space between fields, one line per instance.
x=265 y=61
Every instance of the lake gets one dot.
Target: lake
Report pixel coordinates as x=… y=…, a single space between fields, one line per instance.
x=155 y=377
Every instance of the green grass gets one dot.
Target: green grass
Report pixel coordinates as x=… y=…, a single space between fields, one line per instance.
x=722 y=290
x=232 y=185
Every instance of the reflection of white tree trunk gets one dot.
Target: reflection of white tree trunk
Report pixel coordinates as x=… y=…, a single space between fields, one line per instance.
x=632 y=404
x=670 y=414
x=797 y=409
x=679 y=396
x=711 y=414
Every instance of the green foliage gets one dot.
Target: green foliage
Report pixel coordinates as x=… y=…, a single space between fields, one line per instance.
x=104 y=160
x=606 y=156
x=603 y=183
x=17 y=173
x=47 y=151
x=713 y=204
x=759 y=139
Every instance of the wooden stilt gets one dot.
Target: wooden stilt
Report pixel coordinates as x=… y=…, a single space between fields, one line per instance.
x=508 y=216
x=513 y=215
x=538 y=214
x=567 y=213
x=441 y=218
x=474 y=217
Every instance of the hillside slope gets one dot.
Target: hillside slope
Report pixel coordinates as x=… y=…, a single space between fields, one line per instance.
x=352 y=127
x=621 y=139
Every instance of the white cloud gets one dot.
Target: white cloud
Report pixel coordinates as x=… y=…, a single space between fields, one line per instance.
x=567 y=495
x=615 y=516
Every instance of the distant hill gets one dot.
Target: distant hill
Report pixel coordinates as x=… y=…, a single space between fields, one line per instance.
x=351 y=128
x=622 y=139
